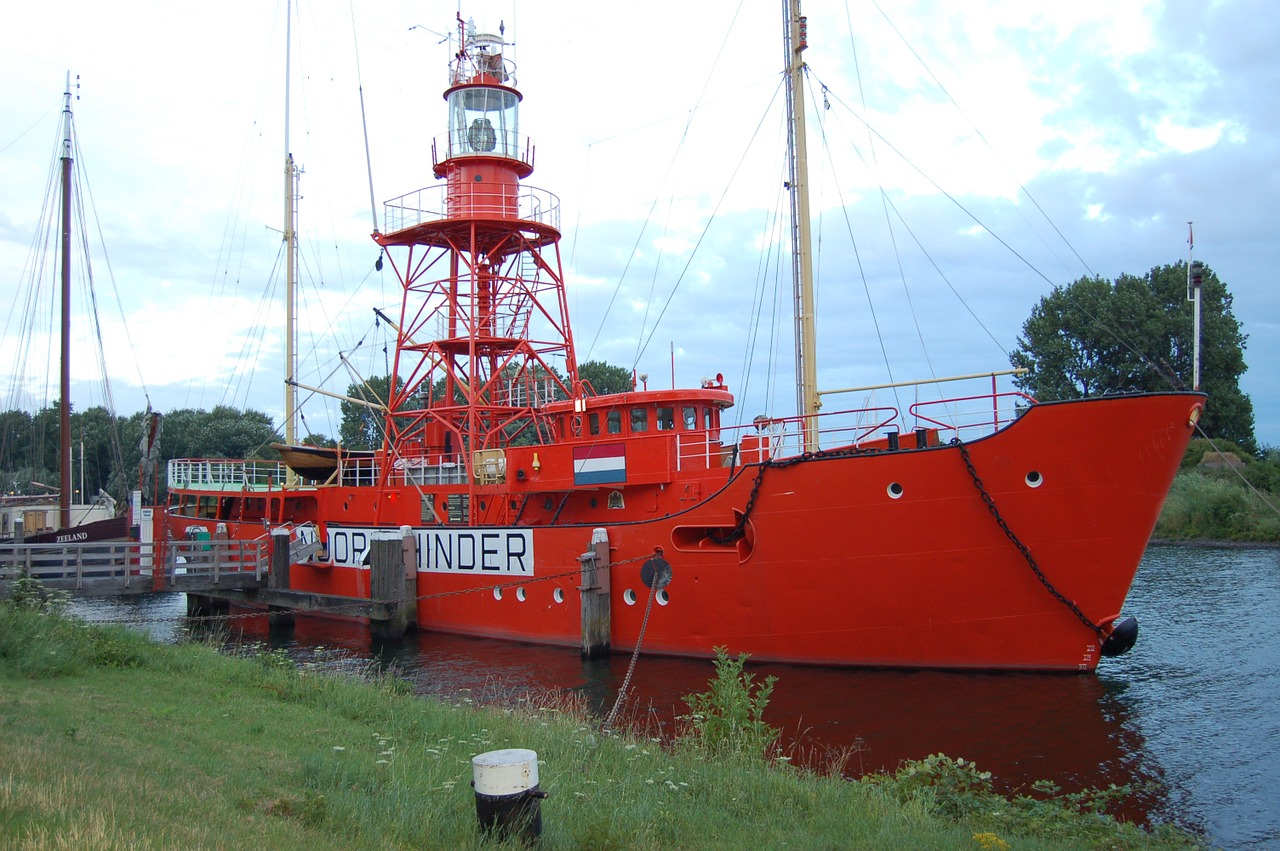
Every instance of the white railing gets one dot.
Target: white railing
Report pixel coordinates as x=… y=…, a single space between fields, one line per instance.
x=225 y=474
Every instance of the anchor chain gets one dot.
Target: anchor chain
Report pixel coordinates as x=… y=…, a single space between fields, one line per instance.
x=740 y=529
x=1023 y=548
x=822 y=454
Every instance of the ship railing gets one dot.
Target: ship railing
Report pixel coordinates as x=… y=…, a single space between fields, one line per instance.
x=501 y=144
x=772 y=438
x=485 y=200
x=228 y=474
x=432 y=469
x=359 y=470
x=967 y=417
x=769 y=438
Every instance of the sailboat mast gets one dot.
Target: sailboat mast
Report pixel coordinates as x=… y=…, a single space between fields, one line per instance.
x=291 y=247
x=64 y=421
x=807 y=399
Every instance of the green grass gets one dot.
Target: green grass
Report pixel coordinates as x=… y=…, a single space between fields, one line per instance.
x=1217 y=507
x=109 y=741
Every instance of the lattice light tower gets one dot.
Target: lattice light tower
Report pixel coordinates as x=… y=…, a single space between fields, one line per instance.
x=484 y=337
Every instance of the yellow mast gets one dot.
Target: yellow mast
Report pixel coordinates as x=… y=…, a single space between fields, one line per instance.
x=291 y=247
x=807 y=399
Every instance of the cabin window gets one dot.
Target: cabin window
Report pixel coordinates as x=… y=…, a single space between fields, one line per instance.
x=708 y=421
x=614 y=423
x=690 y=418
x=639 y=420
x=666 y=419
x=593 y=423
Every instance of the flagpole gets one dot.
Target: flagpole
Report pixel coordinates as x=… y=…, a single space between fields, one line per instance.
x=1194 y=278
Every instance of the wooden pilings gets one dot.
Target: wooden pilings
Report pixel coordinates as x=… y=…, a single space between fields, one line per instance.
x=594 y=591
x=278 y=577
x=393 y=576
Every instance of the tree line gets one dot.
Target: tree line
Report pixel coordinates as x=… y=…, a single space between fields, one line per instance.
x=107 y=449
x=111 y=446
x=1087 y=338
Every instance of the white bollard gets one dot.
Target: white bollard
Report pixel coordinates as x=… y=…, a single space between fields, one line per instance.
x=508 y=800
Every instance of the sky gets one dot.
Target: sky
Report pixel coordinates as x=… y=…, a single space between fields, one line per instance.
x=962 y=166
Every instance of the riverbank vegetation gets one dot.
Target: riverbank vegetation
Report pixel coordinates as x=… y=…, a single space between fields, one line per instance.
x=1223 y=493
x=110 y=741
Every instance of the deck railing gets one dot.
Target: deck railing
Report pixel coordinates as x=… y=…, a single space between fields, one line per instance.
x=229 y=474
x=769 y=438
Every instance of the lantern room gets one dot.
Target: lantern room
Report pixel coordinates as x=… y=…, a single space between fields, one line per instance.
x=484 y=109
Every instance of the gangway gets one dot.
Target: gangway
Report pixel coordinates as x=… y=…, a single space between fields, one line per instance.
x=128 y=567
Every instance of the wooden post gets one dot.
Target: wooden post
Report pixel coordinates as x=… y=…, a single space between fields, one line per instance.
x=278 y=577
x=392 y=554
x=594 y=592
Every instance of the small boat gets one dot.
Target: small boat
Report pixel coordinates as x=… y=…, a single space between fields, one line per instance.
x=323 y=464
x=981 y=531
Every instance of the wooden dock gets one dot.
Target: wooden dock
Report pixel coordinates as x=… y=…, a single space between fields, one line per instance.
x=125 y=567
x=216 y=573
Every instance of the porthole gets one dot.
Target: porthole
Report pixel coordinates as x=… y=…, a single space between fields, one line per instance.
x=520 y=594
x=662 y=597
x=894 y=490
x=629 y=597
x=1034 y=479
x=497 y=593
x=558 y=595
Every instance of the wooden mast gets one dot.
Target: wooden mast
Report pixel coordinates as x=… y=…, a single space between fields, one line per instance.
x=291 y=247
x=64 y=421
x=807 y=399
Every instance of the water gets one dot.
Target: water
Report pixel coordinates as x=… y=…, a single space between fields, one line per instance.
x=1189 y=718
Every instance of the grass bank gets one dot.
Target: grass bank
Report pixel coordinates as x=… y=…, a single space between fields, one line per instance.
x=1227 y=498
x=110 y=741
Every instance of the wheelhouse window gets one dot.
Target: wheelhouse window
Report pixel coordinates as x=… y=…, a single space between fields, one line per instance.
x=666 y=419
x=639 y=420
x=614 y=422
x=593 y=423
x=708 y=420
x=690 y=416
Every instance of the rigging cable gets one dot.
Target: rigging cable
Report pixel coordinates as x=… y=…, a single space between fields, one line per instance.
x=975 y=129
x=670 y=165
x=707 y=227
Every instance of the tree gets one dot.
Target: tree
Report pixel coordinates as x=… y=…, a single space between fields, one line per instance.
x=362 y=426
x=605 y=378
x=1094 y=336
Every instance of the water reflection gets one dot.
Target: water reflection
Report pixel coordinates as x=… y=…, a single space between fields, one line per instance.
x=1188 y=718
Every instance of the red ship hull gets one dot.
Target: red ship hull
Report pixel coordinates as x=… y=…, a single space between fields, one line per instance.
x=832 y=568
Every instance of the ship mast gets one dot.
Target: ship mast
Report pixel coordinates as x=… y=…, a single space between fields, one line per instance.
x=64 y=421
x=807 y=400
x=291 y=250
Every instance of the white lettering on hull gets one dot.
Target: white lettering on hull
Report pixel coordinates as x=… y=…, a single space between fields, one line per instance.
x=507 y=552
